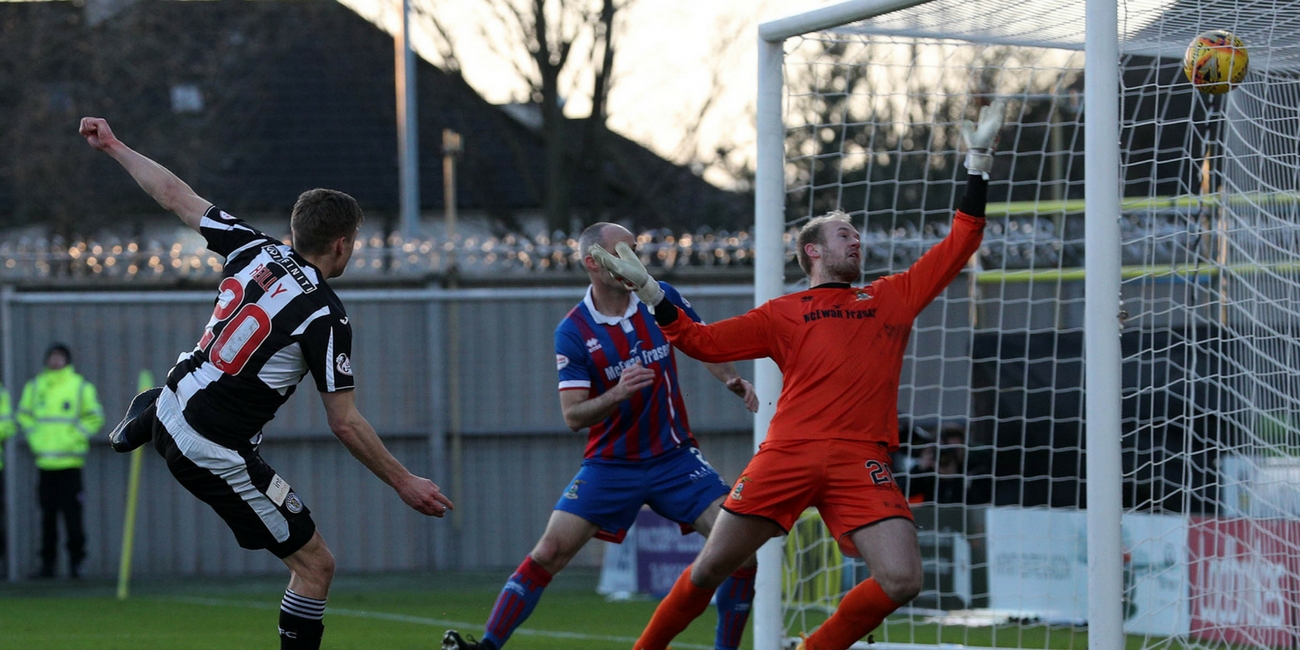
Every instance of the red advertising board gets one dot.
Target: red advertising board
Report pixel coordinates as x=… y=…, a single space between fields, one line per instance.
x=1244 y=586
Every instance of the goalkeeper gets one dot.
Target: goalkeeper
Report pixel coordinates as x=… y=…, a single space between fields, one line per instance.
x=618 y=379
x=840 y=349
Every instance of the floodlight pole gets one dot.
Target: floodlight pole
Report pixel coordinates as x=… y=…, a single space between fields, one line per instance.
x=408 y=133
x=451 y=150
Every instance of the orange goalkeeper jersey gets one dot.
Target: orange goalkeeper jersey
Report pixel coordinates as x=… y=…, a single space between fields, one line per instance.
x=840 y=348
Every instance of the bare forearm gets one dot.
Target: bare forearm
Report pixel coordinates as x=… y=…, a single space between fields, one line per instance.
x=166 y=188
x=588 y=412
x=364 y=444
x=723 y=372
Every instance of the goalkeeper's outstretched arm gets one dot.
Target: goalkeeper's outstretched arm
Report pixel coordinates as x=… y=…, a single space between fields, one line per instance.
x=940 y=265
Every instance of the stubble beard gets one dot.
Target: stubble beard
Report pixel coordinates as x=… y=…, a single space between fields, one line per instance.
x=845 y=270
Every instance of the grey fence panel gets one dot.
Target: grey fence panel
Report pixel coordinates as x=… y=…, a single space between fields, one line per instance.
x=389 y=362
x=506 y=357
x=24 y=540
x=365 y=523
x=513 y=481
x=511 y=484
x=111 y=341
x=515 y=460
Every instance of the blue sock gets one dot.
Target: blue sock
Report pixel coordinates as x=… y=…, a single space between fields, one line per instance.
x=516 y=602
x=735 y=597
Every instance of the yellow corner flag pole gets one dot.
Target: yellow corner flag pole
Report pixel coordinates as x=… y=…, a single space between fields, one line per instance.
x=132 y=491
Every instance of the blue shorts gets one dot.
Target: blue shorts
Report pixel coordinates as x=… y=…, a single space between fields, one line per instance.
x=679 y=485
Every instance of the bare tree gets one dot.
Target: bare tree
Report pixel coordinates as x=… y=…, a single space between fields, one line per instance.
x=38 y=98
x=729 y=33
x=877 y=138
x=550 y=34
x=593 y=163
x=445 y=42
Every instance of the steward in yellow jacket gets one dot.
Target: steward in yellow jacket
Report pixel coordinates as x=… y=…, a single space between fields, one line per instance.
x=59 y=412
x=7 y=429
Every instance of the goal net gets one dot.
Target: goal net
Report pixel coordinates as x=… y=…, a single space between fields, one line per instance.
x=993 y=387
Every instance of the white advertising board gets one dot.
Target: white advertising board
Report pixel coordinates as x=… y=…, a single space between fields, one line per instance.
x=1038 y=568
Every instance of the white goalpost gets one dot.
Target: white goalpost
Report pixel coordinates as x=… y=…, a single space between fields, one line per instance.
x=1162 y=510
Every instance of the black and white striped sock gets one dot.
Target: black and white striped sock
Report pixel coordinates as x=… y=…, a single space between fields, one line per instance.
x=301 y=623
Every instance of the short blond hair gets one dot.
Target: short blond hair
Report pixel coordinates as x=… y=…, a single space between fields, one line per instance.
x=812 y=233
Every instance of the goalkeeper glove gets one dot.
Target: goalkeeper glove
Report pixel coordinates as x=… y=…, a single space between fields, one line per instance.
x=628 y=268
x=979 y=138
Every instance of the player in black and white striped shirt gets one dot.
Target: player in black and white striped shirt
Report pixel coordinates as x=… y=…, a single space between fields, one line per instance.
x=274 y=322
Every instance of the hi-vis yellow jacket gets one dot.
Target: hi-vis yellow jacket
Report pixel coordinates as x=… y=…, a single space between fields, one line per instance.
x=59 y=412
x=7 y=426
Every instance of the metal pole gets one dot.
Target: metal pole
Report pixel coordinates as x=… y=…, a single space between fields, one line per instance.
x=776 y=31
x=408 y=132
x=451 y=149
x=1102 y=326
x=446 y=550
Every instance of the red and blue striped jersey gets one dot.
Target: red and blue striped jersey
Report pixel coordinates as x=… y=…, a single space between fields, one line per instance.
x=591 y=352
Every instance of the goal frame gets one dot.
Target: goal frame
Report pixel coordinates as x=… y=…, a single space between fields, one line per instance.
x=1102 y=290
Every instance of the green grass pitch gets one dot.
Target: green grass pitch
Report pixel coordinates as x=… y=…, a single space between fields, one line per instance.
x=395 y=612
x=364 y=613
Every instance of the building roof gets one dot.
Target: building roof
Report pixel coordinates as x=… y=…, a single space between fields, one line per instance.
x=254 y=102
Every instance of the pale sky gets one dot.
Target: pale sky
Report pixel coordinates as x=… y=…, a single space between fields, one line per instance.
x=672 y=55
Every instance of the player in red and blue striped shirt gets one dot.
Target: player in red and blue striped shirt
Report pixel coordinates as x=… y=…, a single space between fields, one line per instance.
x=618 y=380
x=593 y=350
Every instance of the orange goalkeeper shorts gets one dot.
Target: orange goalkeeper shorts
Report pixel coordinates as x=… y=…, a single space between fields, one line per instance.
x=849 y=482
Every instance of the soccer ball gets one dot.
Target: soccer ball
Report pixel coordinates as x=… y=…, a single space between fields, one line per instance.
x=1215 y=62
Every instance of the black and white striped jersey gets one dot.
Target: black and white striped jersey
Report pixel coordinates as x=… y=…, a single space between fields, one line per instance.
x=275 y=319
